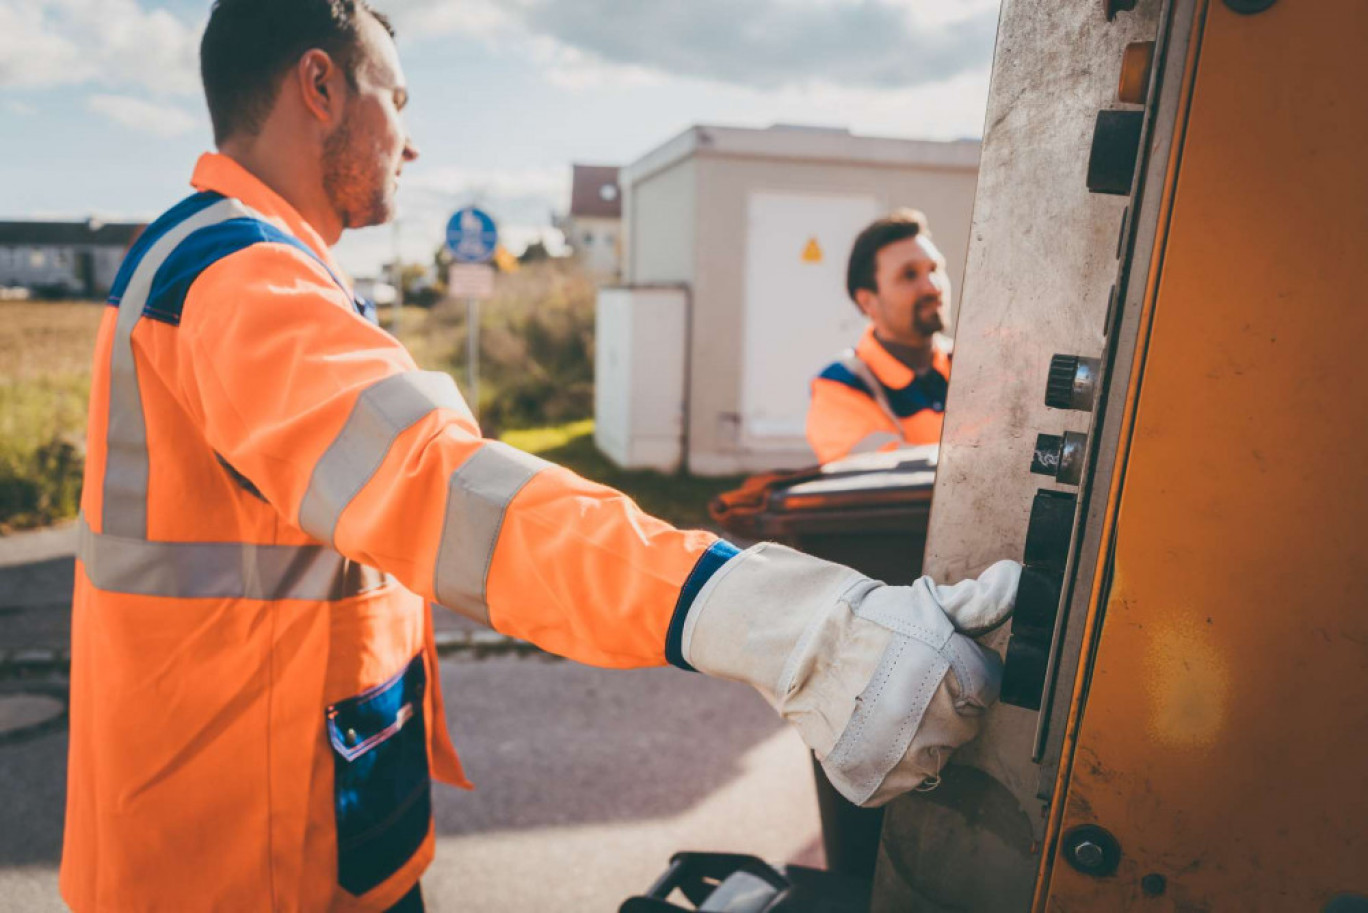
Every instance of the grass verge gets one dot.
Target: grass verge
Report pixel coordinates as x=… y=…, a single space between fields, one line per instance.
x=679 y=499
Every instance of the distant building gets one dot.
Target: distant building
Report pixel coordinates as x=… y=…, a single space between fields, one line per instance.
x=79 y=259
x=593 y=226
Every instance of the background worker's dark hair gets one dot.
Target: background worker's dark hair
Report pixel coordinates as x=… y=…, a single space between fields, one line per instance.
x=864 y=253
x=248 y=45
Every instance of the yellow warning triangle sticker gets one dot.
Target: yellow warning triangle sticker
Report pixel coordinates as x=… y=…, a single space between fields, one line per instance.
x=812 y=253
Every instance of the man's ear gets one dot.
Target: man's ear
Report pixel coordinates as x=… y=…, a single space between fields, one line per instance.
x=865 y=300
x=322 y=85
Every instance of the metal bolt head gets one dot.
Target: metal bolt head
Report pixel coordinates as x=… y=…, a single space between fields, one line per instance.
x=1153 y=884
x=1091 y=850
x=1089 y=855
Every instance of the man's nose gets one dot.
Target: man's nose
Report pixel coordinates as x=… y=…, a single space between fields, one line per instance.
x=410 y=149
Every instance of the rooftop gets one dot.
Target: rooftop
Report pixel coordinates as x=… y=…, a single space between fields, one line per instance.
x=594 y=192
x=91 y=231
x=804 y=143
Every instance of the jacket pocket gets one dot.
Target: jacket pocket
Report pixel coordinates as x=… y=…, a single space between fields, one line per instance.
x=382 y=793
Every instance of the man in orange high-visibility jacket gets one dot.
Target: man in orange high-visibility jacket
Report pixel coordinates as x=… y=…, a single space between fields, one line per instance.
x=275 y=494
x=889 y=391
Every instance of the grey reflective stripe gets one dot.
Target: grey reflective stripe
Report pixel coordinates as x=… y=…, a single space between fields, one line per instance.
x=855 y=365
x=479 y=495
x=382 y=412
x=221 y=570
x=873 y=441
x=126 y=463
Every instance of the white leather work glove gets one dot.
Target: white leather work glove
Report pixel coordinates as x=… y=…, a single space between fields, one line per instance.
x=882 y=682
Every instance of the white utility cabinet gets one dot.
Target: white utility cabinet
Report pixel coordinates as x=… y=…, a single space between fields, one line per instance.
x=639 y=376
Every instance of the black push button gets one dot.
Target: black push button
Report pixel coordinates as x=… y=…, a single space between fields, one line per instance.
x=1023 y=674
x=1115 y=150
x=1060 y=456
x=1042 y=577
x=1048 y=533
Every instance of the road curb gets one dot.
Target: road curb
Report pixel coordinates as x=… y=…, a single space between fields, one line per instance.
x=34 y=663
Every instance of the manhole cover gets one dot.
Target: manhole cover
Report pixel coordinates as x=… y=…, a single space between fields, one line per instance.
x=28 y=713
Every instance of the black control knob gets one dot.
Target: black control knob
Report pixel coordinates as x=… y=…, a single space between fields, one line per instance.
x=1072 y=383
x=1060 y=456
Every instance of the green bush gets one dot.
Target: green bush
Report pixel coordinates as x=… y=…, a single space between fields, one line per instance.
x=536 y=346
x=41 y=450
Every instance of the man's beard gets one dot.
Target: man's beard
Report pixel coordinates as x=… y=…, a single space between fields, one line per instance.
x=356 y=190
x=927 y=322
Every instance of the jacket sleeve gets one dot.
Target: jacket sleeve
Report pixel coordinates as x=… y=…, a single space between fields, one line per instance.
x=842 y=421
x=331 y=420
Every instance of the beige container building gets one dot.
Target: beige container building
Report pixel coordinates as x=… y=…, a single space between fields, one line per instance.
x=735 y=244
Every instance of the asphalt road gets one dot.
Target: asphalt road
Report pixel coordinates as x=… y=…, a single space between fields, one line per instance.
x=587 y=780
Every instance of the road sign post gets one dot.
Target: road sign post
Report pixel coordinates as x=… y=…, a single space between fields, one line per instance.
x=472 y=238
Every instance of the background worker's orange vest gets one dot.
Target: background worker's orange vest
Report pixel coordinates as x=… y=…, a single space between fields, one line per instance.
x=869 y=401
x=273 y=494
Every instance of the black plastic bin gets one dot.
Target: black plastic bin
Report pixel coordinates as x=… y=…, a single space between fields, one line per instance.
x=870 y=513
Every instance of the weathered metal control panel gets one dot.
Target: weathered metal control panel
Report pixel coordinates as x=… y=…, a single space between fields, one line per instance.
x=1158 y=406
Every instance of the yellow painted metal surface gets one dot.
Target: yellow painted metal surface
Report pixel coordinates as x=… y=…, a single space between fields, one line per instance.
x=1224 y=731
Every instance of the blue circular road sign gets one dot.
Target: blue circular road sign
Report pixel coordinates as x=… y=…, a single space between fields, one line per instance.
x=471 y=236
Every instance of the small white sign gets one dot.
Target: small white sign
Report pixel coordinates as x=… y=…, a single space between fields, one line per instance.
x=471 y=280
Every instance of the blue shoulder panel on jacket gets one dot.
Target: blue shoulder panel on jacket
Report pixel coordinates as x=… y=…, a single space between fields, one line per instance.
x=202 y=249
x=843 y=375
x=153 y=233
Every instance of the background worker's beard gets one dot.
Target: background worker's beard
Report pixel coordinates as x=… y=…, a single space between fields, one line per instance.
x=354 y=181
x=927 y=321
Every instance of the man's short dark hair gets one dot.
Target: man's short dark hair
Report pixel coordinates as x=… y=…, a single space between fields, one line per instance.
x=864 y=253
x=249 y=44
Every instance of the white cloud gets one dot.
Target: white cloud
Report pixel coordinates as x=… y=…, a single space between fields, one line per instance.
x=158 y=119
x=771 y=44
x=426 y=18
x=113 y=43
x=456 y=182
x=952 y=109
x=23 y=109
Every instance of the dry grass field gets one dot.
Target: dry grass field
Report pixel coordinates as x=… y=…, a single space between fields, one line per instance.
x=45 y=354
x=536 y=387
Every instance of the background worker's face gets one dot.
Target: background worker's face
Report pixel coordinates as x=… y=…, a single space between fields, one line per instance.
x=366 y=151
x=913 y=292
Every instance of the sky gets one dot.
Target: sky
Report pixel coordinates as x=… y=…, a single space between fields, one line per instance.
x=101 y=112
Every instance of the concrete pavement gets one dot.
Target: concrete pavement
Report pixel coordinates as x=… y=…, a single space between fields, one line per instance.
x=587 y=780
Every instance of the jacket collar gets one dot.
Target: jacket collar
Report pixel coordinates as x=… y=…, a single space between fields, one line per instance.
x=219 y=173
x=892 y=373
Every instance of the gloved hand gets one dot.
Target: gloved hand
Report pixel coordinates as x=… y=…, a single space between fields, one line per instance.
x=882 y=682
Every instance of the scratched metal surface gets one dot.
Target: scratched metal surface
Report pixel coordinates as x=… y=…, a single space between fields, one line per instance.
x=1041 y=263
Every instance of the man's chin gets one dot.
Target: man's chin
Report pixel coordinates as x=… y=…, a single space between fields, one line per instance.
x=929 y=328
x=376 y=215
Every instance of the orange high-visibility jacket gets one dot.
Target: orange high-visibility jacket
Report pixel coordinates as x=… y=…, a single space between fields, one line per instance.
x=867 y=401
x=273 y=493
